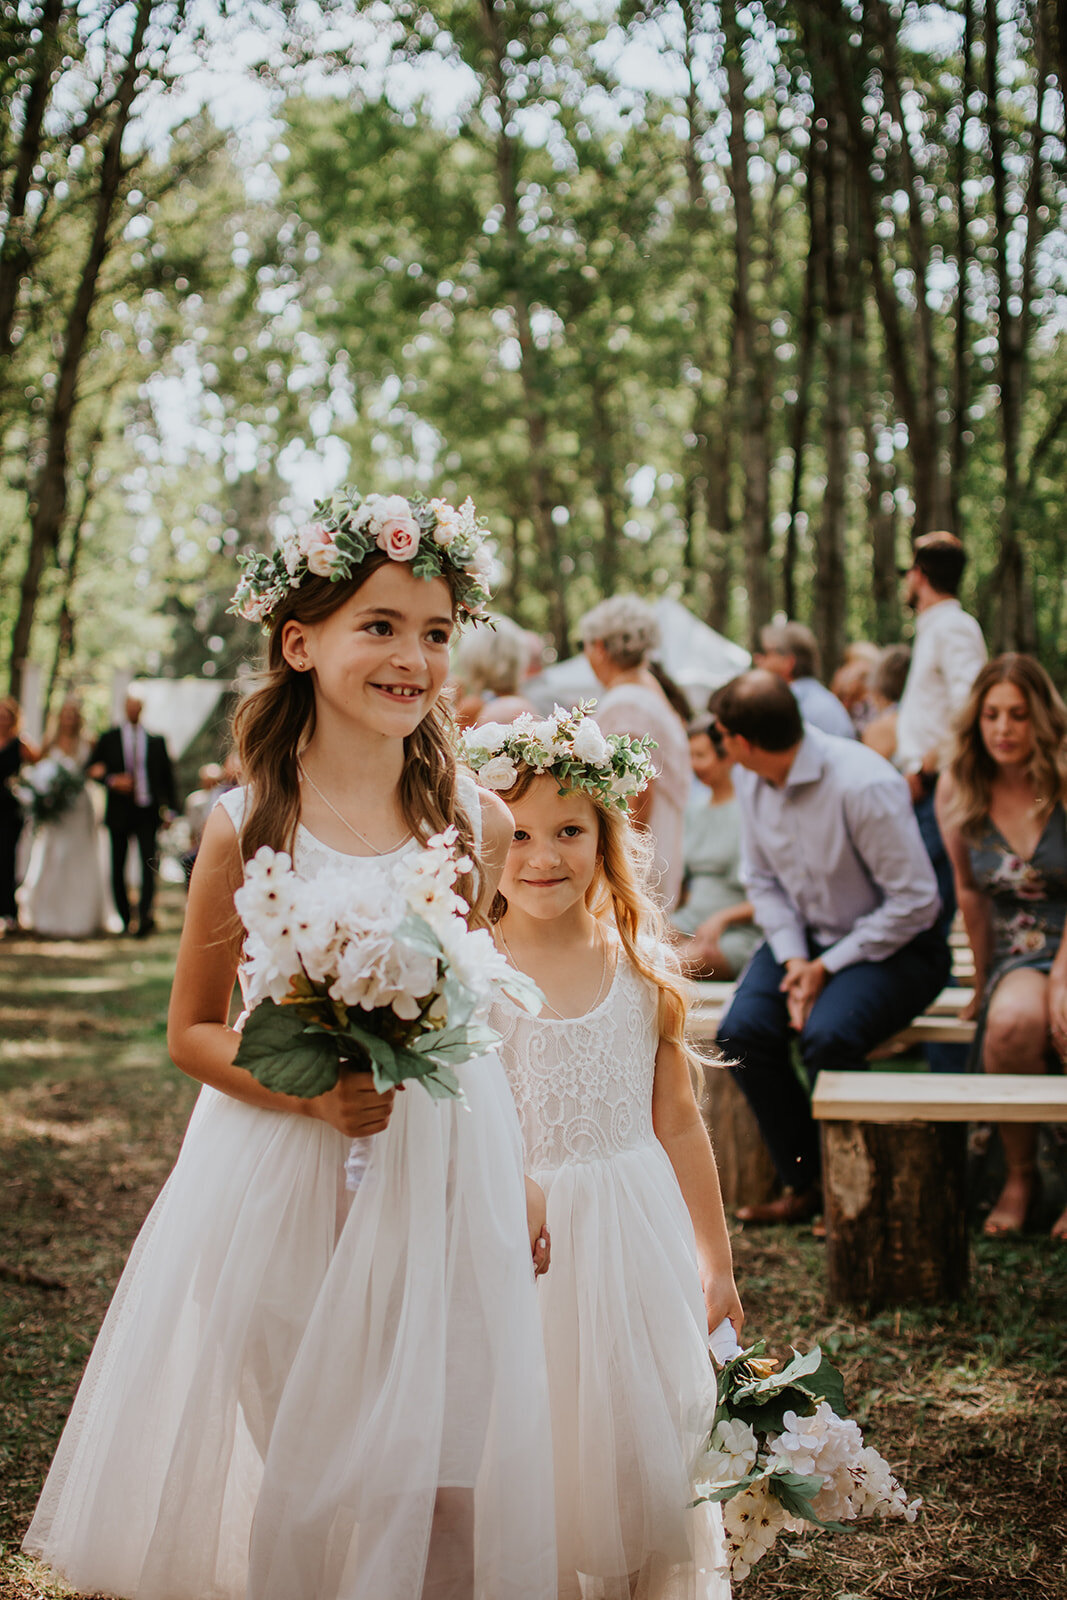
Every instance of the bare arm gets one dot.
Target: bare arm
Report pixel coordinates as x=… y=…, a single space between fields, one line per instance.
x=974 y=905
x=498 y=830
x=680 y=1129
x=199 y=1037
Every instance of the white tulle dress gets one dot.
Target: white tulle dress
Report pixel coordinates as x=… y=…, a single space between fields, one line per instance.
x=631 y=1384
x=303 y=1394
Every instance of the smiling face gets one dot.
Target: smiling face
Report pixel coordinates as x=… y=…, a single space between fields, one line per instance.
x=380 y=660
x=1005 y=726
x=554 y=852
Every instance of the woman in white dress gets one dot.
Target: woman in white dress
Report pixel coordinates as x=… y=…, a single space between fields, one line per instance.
x=299 y=1394
x=63 y=896
x=619 y=636
x=642 y=1266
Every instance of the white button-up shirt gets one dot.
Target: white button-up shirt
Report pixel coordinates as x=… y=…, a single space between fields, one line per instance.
x=836 y=854
x=948 y=654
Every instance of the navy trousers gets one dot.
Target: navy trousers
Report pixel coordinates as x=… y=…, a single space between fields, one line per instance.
x=859 y=1008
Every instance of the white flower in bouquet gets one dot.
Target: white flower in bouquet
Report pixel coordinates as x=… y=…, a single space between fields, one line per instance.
x=731 y=1453
x=589 y=744
x=499 y=773
x=752 y=1521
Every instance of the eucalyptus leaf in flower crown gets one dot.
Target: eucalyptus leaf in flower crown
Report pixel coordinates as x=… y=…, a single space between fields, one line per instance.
x=347 y=527
x=567 y=746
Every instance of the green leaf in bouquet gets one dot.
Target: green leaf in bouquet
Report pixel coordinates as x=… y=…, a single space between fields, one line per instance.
x=726 y=1491
x=285 y=1053
x=418 y=935
x=442 y=1084
x=796 y=1493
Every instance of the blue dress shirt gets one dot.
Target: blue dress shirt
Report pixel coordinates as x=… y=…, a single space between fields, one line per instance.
x=835 y=854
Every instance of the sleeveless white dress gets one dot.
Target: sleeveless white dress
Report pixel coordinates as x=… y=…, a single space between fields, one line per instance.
x=290 y=1374
x=631 y=1385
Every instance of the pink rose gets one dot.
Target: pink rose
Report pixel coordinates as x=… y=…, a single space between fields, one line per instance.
x=398 y=532
x=317 y=547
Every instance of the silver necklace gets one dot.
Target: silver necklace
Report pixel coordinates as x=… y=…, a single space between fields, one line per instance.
x=344 y=820
x=558 y=1014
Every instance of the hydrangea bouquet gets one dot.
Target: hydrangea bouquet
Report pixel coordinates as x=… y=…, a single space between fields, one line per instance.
x=48 y=790
x=782 y=1455
x=380 y=970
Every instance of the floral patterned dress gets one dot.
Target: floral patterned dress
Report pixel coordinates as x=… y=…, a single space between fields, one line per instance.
x=1028 y=900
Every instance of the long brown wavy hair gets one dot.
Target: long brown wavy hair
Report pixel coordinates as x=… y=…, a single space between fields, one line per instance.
x=277 y=718
x=973 y=769
x=619 y=896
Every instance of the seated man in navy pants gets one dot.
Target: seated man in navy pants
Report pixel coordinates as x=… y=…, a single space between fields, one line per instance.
x=842 y=886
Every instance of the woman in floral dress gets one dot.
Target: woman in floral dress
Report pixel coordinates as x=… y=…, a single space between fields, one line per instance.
x=1001 y=809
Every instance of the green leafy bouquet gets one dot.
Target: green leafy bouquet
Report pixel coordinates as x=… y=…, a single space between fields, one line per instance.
x=782 y=1455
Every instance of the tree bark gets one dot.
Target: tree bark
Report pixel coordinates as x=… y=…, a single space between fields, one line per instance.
x=807 y=335
x=962 y=350
x=49 y=493
x=535 y=402
x=606 y=490
x=15 y=254
x=829 y=611
x=896 y=1214
x=748 y=375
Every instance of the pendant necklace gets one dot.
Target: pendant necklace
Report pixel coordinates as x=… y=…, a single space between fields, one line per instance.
x=559 y=1015
x=305 y=776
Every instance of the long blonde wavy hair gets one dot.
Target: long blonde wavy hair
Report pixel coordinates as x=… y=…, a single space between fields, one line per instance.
x=619 y=896
x=973 y=769
x=276 y=719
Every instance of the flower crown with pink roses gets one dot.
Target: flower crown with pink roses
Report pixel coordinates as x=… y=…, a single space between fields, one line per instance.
x=567 y=746
x=346 y=528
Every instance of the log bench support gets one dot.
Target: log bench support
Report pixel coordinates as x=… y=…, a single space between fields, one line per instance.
x=894 y=1175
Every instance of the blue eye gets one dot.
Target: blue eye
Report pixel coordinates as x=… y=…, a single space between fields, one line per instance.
x=572 y=831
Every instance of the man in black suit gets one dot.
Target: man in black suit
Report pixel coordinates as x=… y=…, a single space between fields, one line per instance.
x=135 y=768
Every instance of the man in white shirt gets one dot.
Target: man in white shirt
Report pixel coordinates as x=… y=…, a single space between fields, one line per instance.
x=790 y=651
x=948 y=653
x=844 y=891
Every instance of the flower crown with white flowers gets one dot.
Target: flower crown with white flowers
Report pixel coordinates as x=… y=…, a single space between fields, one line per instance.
x=567 y=746
x=346 y=528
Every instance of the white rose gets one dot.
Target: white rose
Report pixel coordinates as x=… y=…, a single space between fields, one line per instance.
x=498 y=773
x=488 y=737
x=589 y=744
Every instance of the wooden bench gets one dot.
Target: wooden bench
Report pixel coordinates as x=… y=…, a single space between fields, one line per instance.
x=940 y=1023
x=894 y=1175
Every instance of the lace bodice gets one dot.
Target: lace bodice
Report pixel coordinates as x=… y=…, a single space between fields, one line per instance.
x=583 y=1088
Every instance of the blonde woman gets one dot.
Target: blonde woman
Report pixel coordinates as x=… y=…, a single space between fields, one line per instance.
x=1000 y=806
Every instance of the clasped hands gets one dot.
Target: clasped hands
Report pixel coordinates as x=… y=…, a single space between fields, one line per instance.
x=802 y=985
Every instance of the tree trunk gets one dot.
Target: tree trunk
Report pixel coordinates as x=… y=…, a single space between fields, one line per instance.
x=830 y=608
x=747 y=1176
x=535 y=401
x=896 y=1215
x=748 y=377
x=15 y=252
x=606 y=491
x=962 y=350
x=806 y=336
x=49 y=494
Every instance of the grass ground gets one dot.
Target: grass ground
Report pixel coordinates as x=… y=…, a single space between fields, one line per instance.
x=967 y=1402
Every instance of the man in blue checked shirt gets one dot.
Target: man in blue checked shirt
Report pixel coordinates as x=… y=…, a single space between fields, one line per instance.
x=842 y=886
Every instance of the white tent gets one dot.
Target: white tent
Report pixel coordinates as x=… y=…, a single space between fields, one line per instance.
x=697 y=658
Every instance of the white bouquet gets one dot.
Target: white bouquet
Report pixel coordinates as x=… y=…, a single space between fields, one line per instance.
x=48 y=790
x=380 y=971
x=781 y=1455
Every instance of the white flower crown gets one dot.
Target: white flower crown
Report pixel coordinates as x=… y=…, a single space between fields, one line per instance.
x=346 y=528
x=567 y=746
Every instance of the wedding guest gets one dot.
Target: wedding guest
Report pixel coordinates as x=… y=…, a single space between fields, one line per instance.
x=790 y=651
x=14 y=752
x=64 y=896
x=715 y=914
x=1000 y=802
x=488 y=667
x=135 y=768
x=198 y=806
x=887 y=686
x=619 y=636
x=844 y=891
x=948 y=653
x=851 y=683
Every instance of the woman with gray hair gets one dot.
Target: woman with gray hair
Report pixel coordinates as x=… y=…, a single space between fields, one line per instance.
x=619 y=636
x=488 y=666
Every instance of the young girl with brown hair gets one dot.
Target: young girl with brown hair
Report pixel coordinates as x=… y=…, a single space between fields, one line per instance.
x=299 y=1392
x=641 y=1255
